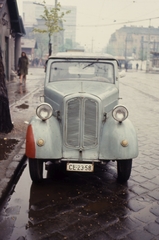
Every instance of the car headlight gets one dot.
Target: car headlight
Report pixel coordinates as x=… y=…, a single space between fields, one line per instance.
x=120 y=113
x=44 y=111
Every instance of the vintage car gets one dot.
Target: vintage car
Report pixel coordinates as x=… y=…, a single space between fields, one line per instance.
x=80 y=123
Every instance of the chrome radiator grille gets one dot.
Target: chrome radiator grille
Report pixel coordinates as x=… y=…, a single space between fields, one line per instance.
x=81 y=122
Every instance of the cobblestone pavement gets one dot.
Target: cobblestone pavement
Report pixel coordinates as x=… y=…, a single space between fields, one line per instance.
x=95 y=206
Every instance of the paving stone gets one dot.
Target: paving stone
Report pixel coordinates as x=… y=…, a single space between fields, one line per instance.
x=140 y=179
x=13 y=210
x=100 y=235
x=148 y=174
x=145 y=216
x=8 y=225
x=140 y=235
x=135 y=205
x=117 y=231
x=153 y=228
x=11 y=168
x=139 y=190
x=126 y=195
x=149 y=166
x=74 y=231
x=130 y=223
x=155 y=179
x=17 y=157
x=148 y=185
x=106 y=220
x=155 y=210
x=154 y=194
x=54 y=224
x=71 y=217
x=22 y=151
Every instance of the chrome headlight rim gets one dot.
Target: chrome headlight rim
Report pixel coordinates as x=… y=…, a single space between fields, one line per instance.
x=44 y=108
x=120 y=113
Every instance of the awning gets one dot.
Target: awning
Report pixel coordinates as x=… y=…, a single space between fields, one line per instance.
x=16 y=21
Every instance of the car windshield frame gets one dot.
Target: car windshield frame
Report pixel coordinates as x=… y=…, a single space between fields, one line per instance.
x=82 y=70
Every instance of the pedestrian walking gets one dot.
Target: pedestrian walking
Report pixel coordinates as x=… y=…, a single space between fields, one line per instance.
x=6 y=124
x=23 y=64
x=126 y=66
x=137 y=65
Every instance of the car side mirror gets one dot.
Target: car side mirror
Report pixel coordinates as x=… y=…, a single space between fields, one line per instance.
x=122 y=74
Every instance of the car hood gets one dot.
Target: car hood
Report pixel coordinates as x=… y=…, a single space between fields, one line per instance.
x=93 y=88
x=55 y=92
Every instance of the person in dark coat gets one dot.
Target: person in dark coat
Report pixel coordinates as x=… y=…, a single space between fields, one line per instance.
x=23 y=67
x=137 y=65
x=6 y=124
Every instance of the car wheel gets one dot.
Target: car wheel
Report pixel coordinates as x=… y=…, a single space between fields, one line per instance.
x=36 y=169
x=124 y=169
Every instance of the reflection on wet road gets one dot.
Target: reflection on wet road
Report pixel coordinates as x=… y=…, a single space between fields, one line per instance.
x=66 y=205
x=78 y=206
x=6 y=147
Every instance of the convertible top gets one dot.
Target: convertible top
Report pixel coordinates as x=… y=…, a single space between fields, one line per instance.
x=82 y=55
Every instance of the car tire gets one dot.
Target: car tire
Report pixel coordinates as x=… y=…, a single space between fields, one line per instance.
x=36 y=169
x=124 y=169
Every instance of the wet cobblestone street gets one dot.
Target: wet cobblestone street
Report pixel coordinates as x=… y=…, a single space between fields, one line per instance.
x=95 y=206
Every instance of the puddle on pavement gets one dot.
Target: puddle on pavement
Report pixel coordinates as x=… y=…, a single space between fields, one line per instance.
x=23 y=106
x=6 y=147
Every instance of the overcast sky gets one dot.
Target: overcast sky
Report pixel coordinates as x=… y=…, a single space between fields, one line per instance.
x=98 y=19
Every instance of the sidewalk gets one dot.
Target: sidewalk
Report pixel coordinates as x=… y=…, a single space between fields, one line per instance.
x=23 y=101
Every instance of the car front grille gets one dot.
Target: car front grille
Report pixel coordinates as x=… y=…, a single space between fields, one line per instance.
x=81 y=123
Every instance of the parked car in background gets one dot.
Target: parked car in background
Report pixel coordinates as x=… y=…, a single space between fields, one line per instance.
x=81 y=123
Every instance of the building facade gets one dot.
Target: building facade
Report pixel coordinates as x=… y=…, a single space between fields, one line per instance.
x=134 y=42
x=11 y=31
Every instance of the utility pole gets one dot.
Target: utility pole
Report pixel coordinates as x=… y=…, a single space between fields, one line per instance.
x=126 y=40
x=92 y=45
x=142 y=50
x=55 y=44
x=148 y=49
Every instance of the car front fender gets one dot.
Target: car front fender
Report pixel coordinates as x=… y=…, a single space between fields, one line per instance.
x=111 y=142
x=43 y=139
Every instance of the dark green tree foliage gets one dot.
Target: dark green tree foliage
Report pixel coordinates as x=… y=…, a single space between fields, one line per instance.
x=6 y=125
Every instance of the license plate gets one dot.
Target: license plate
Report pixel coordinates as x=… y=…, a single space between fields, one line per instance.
x=80 y=167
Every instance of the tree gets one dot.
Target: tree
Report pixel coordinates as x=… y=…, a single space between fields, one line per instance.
x=52 y=17
x=6 y=125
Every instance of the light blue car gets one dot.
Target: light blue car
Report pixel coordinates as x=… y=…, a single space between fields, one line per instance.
x=80 y=122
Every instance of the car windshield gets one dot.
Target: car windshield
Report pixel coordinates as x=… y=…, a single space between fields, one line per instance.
x=82 y=71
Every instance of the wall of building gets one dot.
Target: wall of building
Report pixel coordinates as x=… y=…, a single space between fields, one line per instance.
x=133 y=42
x=6 y=42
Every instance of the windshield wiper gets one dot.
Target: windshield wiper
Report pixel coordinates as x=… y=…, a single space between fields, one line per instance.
x=89 y=65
